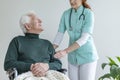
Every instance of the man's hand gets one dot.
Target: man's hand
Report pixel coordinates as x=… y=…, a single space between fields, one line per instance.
x=39 y=69
x=45 y=66
x=60 y=54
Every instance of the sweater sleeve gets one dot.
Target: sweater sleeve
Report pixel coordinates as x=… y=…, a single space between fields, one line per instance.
x=54 y=63
x=11 y=59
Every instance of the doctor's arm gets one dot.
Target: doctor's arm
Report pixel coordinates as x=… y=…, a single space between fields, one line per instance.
x=60 y=33
x=57 y=40
x=78 y=43
x=74 y=46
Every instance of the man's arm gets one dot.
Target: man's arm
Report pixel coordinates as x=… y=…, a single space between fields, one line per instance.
x=54 y=64
x=11 y=59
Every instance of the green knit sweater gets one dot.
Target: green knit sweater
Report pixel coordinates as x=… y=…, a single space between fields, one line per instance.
x=29 y=49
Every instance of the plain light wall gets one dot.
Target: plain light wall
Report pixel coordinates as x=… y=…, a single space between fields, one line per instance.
x=50 y=11
x=106 y=31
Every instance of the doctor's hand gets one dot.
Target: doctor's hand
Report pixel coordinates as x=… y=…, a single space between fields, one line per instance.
x=60 y=54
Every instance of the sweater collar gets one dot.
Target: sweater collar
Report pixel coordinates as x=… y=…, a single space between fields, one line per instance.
x=32 y=35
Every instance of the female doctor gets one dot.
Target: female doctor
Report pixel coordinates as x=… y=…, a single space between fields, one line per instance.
x=78 y=21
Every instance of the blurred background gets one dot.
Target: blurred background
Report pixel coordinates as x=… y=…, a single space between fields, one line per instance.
x=106 y=30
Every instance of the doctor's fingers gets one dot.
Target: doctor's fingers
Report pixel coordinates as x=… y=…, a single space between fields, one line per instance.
x=58 y=51
x=58 y=55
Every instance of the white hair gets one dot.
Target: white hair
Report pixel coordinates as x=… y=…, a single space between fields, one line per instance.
x=25 y=19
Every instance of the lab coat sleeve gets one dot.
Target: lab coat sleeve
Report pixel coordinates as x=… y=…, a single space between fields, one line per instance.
x=83 y=39
x=62 y=27
x=58 y=38
x=88 y=24
x=61 y=31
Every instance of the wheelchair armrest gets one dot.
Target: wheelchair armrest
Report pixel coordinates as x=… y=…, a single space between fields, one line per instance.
x=12 y=73
x=62 y=70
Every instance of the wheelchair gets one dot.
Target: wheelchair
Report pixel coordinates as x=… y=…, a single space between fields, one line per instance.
x=12 y=73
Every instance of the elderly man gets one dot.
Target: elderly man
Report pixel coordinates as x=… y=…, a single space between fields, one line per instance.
x=29 y=52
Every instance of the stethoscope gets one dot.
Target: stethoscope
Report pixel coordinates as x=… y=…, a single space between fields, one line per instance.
x=82 y=14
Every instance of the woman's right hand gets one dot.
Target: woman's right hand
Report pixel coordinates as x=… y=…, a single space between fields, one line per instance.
x=55 y=46
x=60 y=54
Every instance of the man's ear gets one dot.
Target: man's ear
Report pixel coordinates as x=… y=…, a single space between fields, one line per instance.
x=27 y=26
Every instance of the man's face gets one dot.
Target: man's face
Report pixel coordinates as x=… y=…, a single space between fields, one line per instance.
x=36 y=23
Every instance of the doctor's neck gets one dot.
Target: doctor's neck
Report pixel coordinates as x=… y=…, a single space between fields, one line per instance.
x=77 y=6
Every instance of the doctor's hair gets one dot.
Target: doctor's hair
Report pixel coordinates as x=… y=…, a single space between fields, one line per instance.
x=85 y=4
x=25 y=19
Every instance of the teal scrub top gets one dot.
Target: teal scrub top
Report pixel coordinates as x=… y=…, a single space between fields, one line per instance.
x=87 y=52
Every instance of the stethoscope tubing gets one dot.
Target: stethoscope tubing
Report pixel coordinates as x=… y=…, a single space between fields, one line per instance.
x=70 y=28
